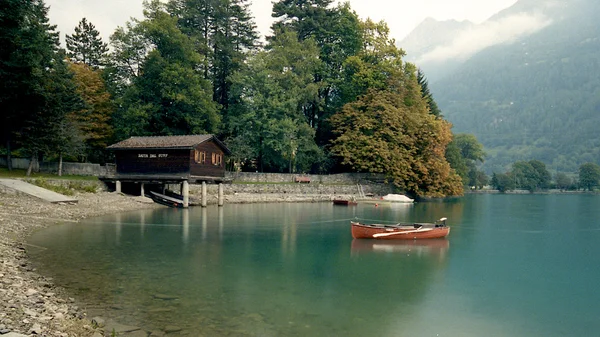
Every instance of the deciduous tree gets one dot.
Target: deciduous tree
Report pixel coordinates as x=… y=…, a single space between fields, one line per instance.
x=589 y=176
x=275 y=89
x=503 y=182
x=166 y=94
x=381 y=133
x=94 y=120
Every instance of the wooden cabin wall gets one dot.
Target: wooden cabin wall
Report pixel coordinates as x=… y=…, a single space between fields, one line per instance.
x=207 y=168
x=143 y=161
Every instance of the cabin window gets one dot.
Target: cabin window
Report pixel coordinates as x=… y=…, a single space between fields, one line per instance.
x=200 y=157
x=217 y=159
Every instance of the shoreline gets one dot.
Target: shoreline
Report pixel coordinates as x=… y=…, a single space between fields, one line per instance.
x=30 y=303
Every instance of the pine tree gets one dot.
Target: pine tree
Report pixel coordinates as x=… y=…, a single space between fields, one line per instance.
x=29 y=45
x=431 y=104
x=86 y=46
x=225 y=32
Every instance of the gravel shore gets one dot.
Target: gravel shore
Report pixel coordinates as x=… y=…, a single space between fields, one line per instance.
x=30 y=304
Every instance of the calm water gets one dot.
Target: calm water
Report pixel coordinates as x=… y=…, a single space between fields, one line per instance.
x=513 y=265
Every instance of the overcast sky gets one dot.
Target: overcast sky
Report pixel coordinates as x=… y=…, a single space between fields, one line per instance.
x=401 y=15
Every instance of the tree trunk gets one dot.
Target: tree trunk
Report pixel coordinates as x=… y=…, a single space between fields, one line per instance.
x=30 y=167
x=8 y=156
x=60 y=164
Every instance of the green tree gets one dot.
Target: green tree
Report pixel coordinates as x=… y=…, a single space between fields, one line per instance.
x=543 y=176
x=503 y=182
x=49 y=131
x=431 y=104
x=525 y=175
x=37 y=88
x=589 y=176
x=167 y=94
x=224 y=32
x=29 y=44
x=531 y=175
x=275 y=90
x=338 y=33
x=562 y=181
x=463 y=154
x=86 y=45
x=478 y=179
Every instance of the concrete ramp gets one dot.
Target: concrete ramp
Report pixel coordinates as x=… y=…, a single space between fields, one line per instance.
x=36 y=191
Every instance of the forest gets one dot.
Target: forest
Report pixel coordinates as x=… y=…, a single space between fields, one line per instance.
x=326 y=92
x=535 y=98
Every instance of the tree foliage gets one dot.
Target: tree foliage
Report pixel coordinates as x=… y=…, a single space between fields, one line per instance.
x=464 y=153
x=28 y=43
x=275 y=89
x=427 y=95
x=86 y=45
x=589 y=176
x=94 y=120
x=328 y=92
x=503 y=182
x=167 y=95
x=223 y=32
x=563 y=181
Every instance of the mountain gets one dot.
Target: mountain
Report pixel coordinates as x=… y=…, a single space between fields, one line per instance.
x=427 y=36
x=526 y=83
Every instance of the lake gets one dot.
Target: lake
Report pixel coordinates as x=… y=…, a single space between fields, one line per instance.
x=513 y=265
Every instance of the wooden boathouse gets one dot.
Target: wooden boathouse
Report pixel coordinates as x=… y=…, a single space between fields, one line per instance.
x=162 y=160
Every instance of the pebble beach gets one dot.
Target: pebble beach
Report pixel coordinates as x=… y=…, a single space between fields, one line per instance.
x=30 y=303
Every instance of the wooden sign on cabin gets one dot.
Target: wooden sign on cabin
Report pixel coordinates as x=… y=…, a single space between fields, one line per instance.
x=186 y=156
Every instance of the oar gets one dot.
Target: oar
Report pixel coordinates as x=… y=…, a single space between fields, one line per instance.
x=405 y=232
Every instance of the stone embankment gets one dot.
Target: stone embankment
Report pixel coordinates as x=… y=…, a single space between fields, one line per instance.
x=30 y=304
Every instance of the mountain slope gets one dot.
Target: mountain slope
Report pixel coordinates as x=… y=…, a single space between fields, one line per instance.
x=536 y=96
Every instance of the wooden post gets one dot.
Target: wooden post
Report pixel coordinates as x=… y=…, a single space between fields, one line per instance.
x=221 y=199
x=185 y=189
x=204 y=194
x=118 y=186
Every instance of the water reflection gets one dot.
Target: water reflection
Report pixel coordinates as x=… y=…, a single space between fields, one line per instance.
x=437 y=248
x=255 y=270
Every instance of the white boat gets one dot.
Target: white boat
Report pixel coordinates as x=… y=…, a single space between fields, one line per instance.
x=397 y=198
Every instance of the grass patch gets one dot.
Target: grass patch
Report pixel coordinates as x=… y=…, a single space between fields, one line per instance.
x=69 y=189
x=43 y=183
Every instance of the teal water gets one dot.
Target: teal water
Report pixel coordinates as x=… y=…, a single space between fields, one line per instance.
x=513 y=265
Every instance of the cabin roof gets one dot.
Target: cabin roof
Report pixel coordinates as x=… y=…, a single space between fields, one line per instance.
x=166 y=142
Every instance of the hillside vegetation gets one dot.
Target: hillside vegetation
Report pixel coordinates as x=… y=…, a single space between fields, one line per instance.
x=536 y=97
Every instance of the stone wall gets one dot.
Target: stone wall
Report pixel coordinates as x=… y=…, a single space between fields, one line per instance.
x=291 y=189
x=18 y=163
x=341 y=178
x=78 y=169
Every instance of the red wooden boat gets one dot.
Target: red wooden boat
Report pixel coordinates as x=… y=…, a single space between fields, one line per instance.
x=400 y=231
x=344 y=202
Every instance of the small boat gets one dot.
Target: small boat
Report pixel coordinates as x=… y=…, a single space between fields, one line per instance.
x=166 y=200
x=400 y=231
x=344 y=202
